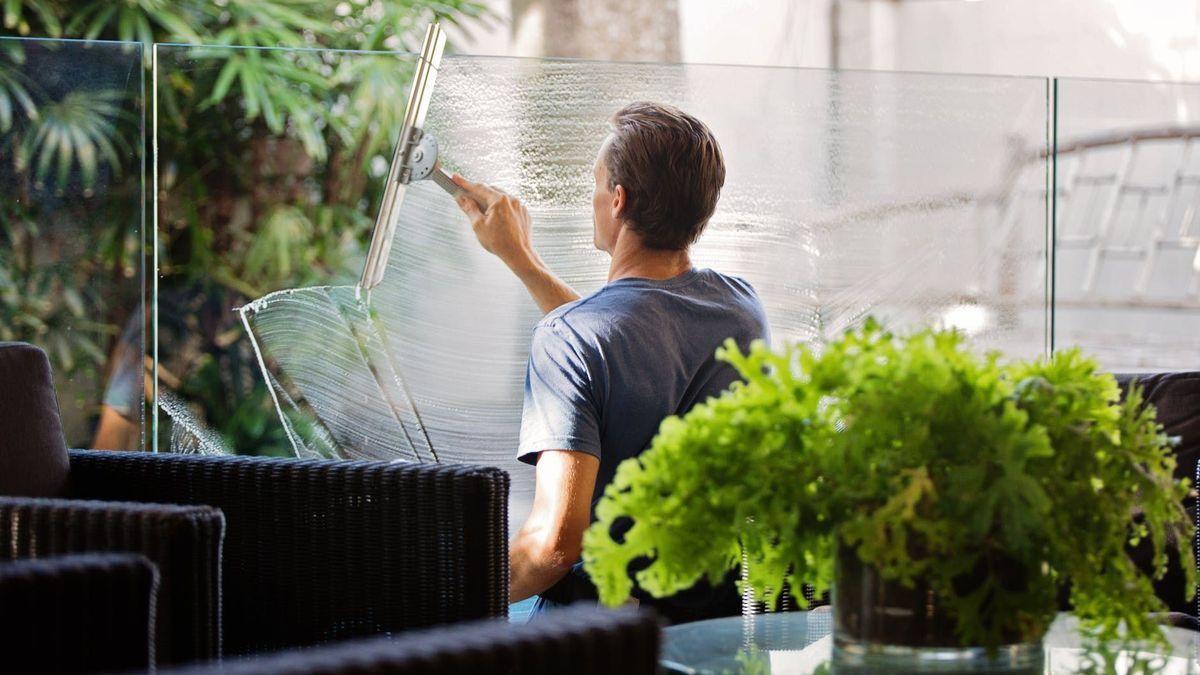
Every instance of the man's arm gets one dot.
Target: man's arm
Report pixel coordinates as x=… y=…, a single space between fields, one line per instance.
x=502 y=225
x=551 y=539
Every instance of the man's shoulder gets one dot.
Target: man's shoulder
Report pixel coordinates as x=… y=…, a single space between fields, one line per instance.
x=733 y=284
x=615 y=305
x=735 y=281
x=583 y=310
x=590 y=323
x=736 y=292
x=572 y=322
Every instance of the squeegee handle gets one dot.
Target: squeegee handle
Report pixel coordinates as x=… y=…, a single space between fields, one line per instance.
x=445 y=182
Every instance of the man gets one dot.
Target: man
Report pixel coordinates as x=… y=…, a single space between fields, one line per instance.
x=605 y=370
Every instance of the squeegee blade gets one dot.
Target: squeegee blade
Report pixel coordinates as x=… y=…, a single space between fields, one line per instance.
x=398 y=174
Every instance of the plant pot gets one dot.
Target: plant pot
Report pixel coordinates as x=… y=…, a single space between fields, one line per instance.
x=882 y=626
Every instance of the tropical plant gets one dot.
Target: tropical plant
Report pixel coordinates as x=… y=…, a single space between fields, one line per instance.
x=926 y=461
x=14 y=93
x=269 y=169
x=68 y=233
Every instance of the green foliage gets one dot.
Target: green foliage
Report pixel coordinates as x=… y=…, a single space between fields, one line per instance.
x=46 y=303
x=265 y=172
x=27 y=16
x=994 y=482
x=74 y=132
x=14 y=96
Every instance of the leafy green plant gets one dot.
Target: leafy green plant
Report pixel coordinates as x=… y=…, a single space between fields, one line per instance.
x=927 y=461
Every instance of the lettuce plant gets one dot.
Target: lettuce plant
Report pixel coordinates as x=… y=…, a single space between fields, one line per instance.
x=994 y=482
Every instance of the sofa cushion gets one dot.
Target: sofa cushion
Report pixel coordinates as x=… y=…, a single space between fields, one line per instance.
x=33 y=451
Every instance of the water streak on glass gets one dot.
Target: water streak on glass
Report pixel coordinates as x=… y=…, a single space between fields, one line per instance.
x=267 y=166
x=189 y=436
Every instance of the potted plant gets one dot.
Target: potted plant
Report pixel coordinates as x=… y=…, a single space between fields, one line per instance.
x=946 y=497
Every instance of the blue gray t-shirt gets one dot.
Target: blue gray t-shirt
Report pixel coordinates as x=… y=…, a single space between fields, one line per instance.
x=605 y=370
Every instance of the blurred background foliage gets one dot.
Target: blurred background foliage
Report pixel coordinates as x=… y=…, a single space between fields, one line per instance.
x=271 y=167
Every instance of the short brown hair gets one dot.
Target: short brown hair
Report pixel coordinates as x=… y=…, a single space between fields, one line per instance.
x=671 y=168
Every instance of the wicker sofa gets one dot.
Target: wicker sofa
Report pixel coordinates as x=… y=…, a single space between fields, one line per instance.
x=579 y=640
x=254 y=554
x=77 y=613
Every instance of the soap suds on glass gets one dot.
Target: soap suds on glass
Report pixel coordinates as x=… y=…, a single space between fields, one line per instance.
x=847 y=194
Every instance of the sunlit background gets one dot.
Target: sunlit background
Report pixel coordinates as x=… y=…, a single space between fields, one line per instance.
x=1128 y=39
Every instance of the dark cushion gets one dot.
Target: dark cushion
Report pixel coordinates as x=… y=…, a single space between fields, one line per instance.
x=33 y=451
x=1176 y=396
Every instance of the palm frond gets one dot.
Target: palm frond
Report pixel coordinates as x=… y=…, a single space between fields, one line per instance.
x=17 y=16
x=14 y=93
x=78 y=130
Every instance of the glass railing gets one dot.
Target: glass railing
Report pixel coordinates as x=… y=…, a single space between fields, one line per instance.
x=1127 y=179
x=914 y=198
x=919 y=199
x=71 y=247
x=270 y=164
x=1031 y=214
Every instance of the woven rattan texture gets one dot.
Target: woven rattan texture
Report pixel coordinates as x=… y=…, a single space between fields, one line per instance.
x=323 y=550
x=184 y=542
x=77 y=613
x=577 y=640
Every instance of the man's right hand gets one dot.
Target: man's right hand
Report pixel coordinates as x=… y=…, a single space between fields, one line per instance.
x=502 y=225
x=500 y=221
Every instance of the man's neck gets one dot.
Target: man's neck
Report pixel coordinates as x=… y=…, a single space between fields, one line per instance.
x=631 y=259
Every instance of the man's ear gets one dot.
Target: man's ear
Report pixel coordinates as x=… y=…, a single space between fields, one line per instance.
x=618 y=202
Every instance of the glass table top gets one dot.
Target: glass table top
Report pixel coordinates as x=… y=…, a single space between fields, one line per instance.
x=801 y=642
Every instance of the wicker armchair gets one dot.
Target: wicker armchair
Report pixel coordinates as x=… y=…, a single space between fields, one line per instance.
x=79 y=613
x=275 y=553
x=323 y=550
x=184 y=542
x=577 y=640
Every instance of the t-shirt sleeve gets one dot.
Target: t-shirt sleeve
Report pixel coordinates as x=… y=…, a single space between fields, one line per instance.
x=560 y=410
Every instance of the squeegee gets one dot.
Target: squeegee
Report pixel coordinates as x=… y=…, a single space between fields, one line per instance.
x=415 y=158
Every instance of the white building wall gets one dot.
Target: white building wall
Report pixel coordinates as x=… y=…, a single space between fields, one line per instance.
x=1132 y=39
x=1128 y=39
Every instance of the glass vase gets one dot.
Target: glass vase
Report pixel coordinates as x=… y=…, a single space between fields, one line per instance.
x=882 y=626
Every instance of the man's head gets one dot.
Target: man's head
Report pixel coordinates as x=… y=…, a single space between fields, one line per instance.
x=659 y=173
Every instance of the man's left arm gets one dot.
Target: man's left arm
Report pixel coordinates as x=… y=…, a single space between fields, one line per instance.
x=551 y=539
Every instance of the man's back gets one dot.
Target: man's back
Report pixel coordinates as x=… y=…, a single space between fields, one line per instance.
x=610 y=367
x=604 y=371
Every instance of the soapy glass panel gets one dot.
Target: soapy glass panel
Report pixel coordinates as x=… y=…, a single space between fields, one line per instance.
x=269 y=169
x=71 y=248
x=1127 y=274
x=919 y=199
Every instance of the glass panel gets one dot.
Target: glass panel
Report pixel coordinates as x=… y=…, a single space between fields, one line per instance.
x=916 y=198
x=269 y=167
x=1127 y=272
x=71 y=249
